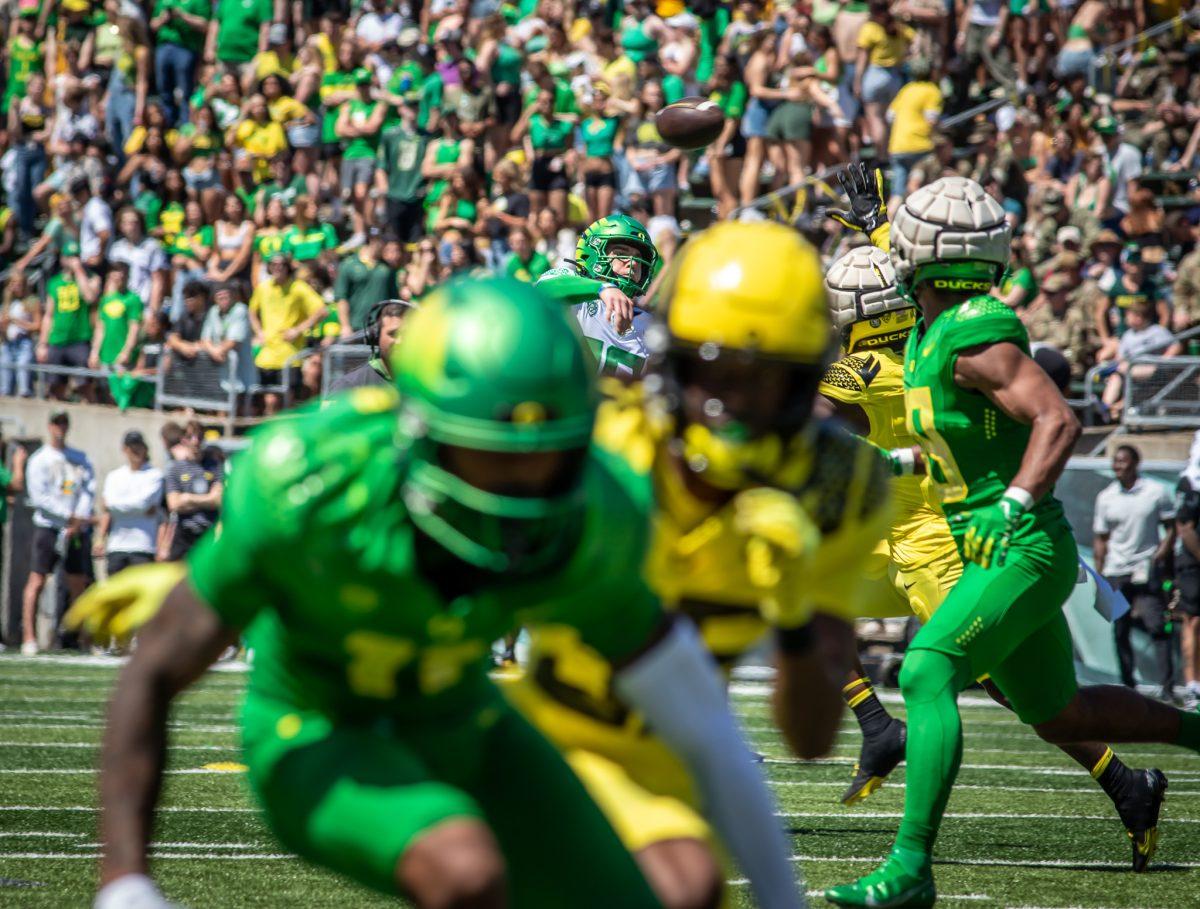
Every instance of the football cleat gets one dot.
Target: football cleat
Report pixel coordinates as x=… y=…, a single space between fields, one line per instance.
x=879 y=756
x=891 y=886
x=1139 y=811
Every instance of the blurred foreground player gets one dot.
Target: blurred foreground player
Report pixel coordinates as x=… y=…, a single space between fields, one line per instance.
x=372 y=551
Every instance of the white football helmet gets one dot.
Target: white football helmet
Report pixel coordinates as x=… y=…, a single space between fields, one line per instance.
x=952 y=231
x=868 y=310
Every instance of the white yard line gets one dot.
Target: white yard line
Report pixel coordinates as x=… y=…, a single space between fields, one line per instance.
x=1181 y=776
x=190 y=856
x=971 y=815
x=172 y=747
x=42 y=833
x=168 y=808
x=1082 y=864
x=1094 y=790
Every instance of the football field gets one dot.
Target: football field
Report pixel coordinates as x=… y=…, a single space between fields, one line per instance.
x=1025 y=827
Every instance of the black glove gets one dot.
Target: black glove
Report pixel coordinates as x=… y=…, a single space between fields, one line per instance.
x=864 y=188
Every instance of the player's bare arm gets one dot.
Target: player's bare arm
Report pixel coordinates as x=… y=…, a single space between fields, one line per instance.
x=811 y=667
x=174 y=650
x=1022 y=390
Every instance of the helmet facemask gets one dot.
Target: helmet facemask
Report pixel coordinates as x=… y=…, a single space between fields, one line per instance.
x=641 y=267
x=508 y=511
x=737 y=413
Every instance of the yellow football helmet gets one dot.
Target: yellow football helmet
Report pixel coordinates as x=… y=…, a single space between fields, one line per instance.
x=743 y=338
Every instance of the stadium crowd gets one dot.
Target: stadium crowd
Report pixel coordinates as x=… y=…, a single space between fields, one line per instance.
x=198 y=177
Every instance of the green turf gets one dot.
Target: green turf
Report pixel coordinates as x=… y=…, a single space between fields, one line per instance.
x=1025 y=827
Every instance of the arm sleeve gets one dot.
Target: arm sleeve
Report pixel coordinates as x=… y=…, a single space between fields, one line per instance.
x=566 y=287
x=677 y=688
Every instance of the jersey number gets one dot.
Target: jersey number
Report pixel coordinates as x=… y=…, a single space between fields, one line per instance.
x=375 y=659
x=612 y=359
x=942 y=466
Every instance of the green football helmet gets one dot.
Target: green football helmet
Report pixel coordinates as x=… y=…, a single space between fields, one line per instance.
x=493 y=365
x=594 y=259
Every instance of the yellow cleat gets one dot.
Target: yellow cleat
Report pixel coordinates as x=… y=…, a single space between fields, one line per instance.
x=879 y=756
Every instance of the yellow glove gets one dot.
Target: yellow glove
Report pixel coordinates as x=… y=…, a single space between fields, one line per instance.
x=125 y=602
x=781 y=540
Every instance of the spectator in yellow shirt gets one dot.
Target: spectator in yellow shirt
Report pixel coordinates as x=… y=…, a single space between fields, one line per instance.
x=882 y=46
x=282 y=310
x=256 y=140
x=913 y=113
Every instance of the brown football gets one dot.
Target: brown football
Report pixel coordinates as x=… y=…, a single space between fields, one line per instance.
x=690 y=122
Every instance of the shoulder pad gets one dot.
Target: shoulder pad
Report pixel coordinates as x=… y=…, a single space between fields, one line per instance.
x=983 y=320
x=848 y=481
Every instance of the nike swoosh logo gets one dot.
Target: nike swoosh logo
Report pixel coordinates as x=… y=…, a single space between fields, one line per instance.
x=869 y=370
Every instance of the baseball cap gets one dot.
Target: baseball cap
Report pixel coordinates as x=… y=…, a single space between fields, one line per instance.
x=1107 y=237
x=409 y=37
x=59 y=415
x=1069 y=234
x=1106 y=126
x=134 y=438
x=1056 y=283
x=1052 y=201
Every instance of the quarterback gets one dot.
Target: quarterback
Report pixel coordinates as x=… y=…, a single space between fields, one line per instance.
x=763 y=519
x=615 y=262
x=919 y=564
x=994 y=434
x=372 y=552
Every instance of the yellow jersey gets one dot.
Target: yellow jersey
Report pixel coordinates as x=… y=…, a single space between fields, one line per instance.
x=874 y=381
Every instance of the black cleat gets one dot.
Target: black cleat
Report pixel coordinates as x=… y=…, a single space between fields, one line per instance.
x=1139 y=813
x=879 y=756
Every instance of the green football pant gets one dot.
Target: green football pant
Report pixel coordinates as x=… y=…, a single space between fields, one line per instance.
x=352 y=799
x=1005 y=621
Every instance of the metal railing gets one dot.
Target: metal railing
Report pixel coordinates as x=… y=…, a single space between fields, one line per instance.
x=1162 y=392
x=199 y=382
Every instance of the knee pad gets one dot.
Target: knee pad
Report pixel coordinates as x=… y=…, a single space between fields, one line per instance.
x=926 y=675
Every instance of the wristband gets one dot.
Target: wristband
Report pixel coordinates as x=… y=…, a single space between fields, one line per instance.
x=903 y=461
x=129 y=890
x=1020 y=496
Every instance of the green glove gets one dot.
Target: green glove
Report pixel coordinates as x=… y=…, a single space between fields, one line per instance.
x=864 y=189
x=989 y=530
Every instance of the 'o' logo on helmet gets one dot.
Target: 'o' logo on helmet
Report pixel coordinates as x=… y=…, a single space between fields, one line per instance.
x=528 y=412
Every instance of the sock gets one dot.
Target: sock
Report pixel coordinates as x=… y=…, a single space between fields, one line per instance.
x=1112 y=774
x=1189 y=730
x=915 y=862
x=873 y=718
x=929 y=681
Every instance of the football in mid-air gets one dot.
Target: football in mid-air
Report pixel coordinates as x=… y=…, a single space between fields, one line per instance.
x=690 y=122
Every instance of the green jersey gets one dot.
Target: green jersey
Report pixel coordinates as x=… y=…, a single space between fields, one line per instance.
x=117 y=312
x=238 y=23
x=972 y=448
x=401 y=153
x=599 y=134
x=175 y=30
x=361 y=146
x=305 y=244
x=353 y=613
x=362 y=286
x=24 y=59
x=70 y=322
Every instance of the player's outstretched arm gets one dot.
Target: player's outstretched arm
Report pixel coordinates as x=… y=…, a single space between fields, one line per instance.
x=174 y=649
x=676 y=686
x=1018 y=386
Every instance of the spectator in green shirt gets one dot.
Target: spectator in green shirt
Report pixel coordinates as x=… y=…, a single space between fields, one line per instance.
x=307 y=239
x=399 y=158
x=238 y=32
x=66 y=333
x=179 y=28
x=359 y=123
x=363 y=279
x=119 y=322
x=547 y=136
x=524 y=262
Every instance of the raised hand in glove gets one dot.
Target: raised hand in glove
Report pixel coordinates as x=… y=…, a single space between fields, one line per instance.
x=780 y=540
x=989 y=530
x=863 y=186
x=125 y=602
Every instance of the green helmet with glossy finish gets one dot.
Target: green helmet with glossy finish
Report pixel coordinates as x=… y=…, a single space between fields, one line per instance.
x=594 y=259
x=492 y=364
